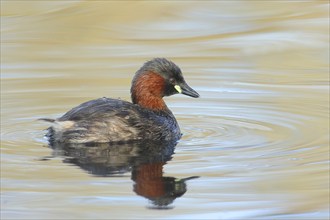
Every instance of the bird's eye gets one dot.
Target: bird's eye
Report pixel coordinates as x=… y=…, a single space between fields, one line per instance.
x=172 y=81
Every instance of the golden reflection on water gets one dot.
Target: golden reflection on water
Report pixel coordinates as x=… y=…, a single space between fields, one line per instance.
x=258 y=137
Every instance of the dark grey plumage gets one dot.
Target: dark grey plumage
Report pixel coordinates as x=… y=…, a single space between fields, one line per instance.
x=111 y=120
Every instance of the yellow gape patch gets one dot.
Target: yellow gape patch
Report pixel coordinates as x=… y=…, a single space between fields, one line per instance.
x=178 y=88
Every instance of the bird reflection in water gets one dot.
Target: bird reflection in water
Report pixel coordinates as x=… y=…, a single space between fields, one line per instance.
x=145 y=161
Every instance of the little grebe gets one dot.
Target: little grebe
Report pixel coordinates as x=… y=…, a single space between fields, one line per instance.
x=112 y=120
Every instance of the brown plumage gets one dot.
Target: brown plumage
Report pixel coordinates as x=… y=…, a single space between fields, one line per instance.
x=112 y=120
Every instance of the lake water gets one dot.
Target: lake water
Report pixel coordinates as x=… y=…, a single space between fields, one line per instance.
x=255 y=144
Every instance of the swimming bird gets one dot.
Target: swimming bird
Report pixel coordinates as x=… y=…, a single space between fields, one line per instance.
x=108 y=120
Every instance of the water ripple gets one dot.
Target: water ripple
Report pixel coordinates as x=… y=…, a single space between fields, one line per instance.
x=238 y=123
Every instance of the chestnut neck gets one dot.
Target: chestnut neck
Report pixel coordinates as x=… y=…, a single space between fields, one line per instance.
x=148 y=91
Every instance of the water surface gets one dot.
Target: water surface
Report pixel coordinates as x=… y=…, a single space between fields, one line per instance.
x=258 y=138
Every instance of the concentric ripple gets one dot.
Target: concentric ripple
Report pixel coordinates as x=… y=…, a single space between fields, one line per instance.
x=258 y=136
x=238 y=123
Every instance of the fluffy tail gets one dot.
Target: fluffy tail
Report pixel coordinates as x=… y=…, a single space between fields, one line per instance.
x=50 y=131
